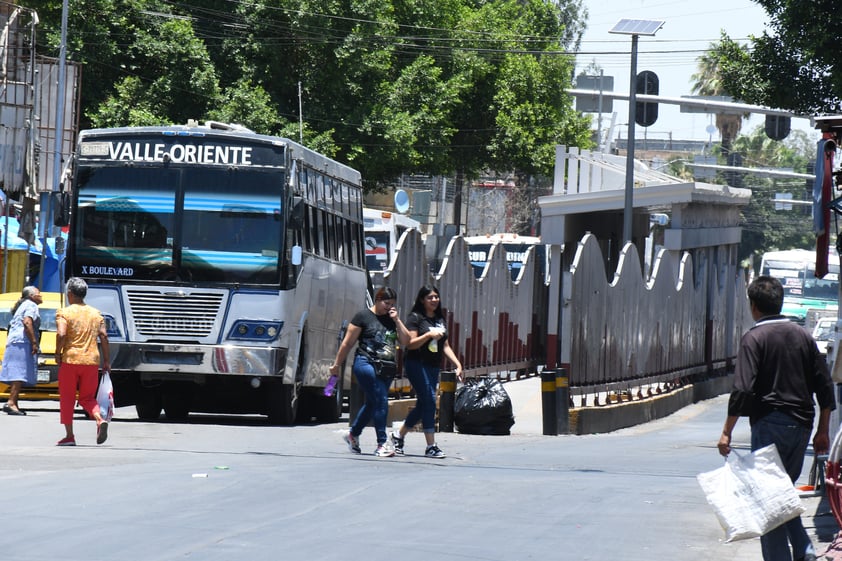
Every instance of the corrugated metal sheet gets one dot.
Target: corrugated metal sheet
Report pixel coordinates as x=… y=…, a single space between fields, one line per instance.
x=617 y=333
x=495 y=324
x=631 y=331
x=46 y=108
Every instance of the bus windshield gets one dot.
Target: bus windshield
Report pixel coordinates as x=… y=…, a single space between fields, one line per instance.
x=178 y=223
x=802 y=290
x=479 y=251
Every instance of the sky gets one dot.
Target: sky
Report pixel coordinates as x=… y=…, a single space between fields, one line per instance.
x=690 y=28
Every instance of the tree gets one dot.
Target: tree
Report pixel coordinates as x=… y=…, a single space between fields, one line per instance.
x=142 y=63
x=388 y=87
x=177 y=81
x=796 y=64
x=707 y=81
x=766 y=224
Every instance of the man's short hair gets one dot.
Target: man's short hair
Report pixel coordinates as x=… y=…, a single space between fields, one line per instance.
x=767 y=294
x=77 y=287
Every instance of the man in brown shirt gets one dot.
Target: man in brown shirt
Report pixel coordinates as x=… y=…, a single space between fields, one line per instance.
x=779 y=371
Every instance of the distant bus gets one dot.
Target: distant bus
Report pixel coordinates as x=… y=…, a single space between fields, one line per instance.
x=383 y=229
x=516 y=246
x=796 y=268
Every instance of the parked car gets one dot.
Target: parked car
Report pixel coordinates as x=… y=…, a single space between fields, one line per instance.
x=47 y=386
x=825 y=333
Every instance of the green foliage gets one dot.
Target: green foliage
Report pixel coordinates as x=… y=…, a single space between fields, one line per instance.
x=387 y=86
x=765 y=226
x=248 y=105
x=796 y=65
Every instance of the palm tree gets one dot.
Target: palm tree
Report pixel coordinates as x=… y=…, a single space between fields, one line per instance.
x=707 y=82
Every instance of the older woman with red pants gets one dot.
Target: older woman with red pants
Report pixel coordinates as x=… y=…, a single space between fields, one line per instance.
x=78 y=329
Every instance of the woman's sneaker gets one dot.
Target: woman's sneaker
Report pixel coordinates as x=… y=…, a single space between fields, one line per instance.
x=397 y=441
x=352 y=442
x=384 y=451
x=434 y=451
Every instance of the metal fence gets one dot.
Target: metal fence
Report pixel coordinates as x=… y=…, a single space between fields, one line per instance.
x=684 y=321
x=496 y=325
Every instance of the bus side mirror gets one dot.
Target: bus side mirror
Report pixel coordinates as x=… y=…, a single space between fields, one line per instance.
x=61 y=214
x=295 y=255
x=296 y=214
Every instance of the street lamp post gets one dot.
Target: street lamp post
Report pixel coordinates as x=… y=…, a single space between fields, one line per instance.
x=635 y=28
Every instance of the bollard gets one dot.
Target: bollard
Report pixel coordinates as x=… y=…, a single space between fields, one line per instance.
x=447 y=400
x=548 y=400
x=562 y=401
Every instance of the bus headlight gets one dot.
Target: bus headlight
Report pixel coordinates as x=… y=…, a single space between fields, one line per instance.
x=255 y=330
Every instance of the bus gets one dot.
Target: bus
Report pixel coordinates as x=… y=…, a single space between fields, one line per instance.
x=516 y=246
x=383 y=229
x=804 y=294
x=224 y=263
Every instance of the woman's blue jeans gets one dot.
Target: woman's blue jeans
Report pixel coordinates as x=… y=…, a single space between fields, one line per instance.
x=376 y=406
x=791 y=439
x=425 y=379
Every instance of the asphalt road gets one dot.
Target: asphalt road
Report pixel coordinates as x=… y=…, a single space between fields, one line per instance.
x=228 y=488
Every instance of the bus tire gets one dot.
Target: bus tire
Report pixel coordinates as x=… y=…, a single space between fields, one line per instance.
x=283 y=403
x=176 y=400
x=329 y=409
x=148 y=404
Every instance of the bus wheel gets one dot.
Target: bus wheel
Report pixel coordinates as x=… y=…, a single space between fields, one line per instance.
x=329 y=409
x=148 y=404
x=176 y=409
x=283 y=403
x=176 y=403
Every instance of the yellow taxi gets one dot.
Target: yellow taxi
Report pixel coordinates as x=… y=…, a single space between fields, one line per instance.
x=47 y=385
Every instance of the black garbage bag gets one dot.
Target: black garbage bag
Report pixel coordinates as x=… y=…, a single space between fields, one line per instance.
x=483 y=407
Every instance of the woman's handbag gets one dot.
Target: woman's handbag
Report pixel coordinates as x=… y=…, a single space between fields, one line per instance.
x=105 y=396
x=386 y=369
x=751 y=494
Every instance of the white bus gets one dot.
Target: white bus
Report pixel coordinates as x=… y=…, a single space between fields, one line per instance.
x=516 y=246
x=803 y=292
x=383 y=229
x=225 y=263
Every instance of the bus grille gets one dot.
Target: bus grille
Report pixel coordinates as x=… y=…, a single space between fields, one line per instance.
x=174 y=313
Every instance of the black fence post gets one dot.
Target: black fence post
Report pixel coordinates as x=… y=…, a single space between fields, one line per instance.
x=562 y=401
x=447 y=400
x=548 y=402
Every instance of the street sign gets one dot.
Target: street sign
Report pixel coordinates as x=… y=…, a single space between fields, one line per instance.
x=593 y=103
x=783 y=197
x=707 y=109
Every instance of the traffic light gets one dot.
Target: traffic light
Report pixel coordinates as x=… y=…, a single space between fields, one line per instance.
x=645 y=114
x=777 y=127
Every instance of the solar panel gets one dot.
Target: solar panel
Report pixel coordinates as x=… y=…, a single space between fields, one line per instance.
x=637 y=26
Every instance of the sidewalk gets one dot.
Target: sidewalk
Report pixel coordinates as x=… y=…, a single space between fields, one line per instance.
x=526 y=405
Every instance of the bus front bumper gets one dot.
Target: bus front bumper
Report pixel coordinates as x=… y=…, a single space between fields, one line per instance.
x=197 y=359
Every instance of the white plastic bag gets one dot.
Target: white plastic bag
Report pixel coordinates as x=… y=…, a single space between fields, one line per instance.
x=751 y=494
x=105 y=396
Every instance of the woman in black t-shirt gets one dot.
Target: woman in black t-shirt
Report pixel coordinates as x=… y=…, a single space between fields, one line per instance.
x=422 y=363
x=377 y=331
